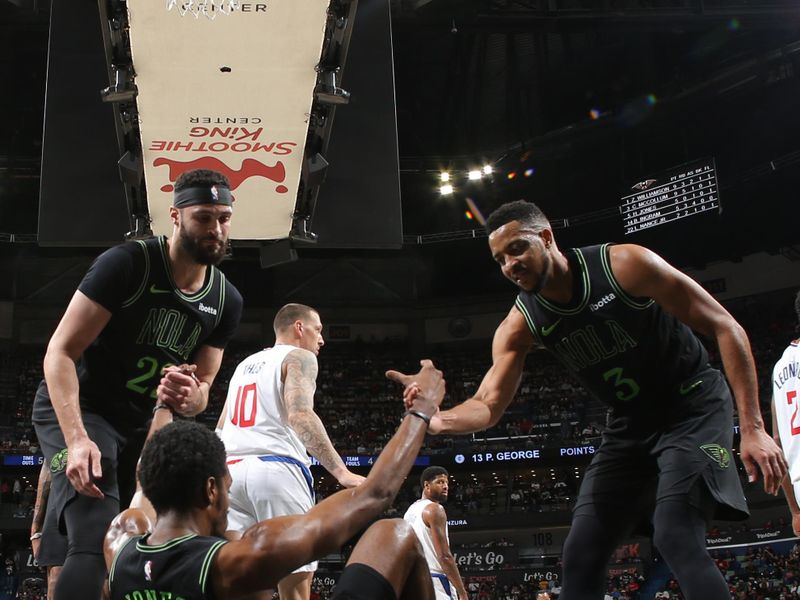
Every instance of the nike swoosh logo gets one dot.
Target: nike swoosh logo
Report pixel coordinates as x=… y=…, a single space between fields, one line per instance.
x=685 y=389
x=548 y=330
x=155 y=290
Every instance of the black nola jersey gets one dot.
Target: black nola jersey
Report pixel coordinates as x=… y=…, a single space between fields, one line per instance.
x=153 y=324
x=625 y=350
x=177 y=570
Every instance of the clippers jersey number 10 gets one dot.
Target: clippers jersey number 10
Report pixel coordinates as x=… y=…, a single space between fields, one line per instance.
x=244 y=410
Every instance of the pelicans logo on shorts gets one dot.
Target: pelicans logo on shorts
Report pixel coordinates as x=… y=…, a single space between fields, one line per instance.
x=59 y=462
x=718 y=454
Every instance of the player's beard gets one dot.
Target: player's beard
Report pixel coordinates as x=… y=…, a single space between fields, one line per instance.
x=202 y=255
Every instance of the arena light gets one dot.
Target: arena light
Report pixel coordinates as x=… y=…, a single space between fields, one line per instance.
x=446 y=189
x=474 y=175
x=487 y=169
x=444 y=176
x=328 y=91
x=124 y=89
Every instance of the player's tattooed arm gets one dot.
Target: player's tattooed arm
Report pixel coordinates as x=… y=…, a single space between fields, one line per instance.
x=300 y=383
x=39 y=508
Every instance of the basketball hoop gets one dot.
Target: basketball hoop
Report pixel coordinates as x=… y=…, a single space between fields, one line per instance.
x=207 y=8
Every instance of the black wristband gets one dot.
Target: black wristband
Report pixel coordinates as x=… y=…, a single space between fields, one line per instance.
x=417 y=413
x=160 y=405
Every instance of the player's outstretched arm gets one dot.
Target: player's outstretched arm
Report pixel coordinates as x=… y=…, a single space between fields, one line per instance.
x=140 y=515
x=271 y=549
x=300 y=382
x=511 y=344
x=643 y=273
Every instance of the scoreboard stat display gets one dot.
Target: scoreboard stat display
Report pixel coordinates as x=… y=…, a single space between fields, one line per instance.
x=679 y=193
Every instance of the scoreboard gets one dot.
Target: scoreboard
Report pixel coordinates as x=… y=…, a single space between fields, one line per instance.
x=679 y=193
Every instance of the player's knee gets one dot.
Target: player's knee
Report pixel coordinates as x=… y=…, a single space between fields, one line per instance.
x=87 y=521
x=571 y=554
x=396 y=532
x=671 y=541
x=407 y=534
x=395 y=528
x=581 y=553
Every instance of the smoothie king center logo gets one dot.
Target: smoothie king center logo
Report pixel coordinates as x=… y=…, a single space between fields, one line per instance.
x=210 y=140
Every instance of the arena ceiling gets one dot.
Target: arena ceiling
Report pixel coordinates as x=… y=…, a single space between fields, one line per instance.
x=587 y=97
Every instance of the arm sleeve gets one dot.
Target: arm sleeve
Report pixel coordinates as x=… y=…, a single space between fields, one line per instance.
x=231 y=314
x=114 y=275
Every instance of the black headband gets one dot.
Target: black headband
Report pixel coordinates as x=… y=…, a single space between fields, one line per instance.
x=216 y=194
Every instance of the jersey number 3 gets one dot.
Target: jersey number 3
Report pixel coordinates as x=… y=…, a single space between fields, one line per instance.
x=626 y=388
x=790 y=396
x=244 y=411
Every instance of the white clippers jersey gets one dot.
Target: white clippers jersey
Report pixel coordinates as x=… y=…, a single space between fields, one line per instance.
x=786 y=396
x=256 y=420
x=413 y=517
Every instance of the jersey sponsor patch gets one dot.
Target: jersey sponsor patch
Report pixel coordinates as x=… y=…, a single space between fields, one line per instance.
x=207 y=309
x=593 y=306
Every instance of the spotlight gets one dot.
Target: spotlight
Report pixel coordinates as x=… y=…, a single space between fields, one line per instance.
x=123 y=90
x=131 y=168
x=444 y=176
x=300 y=231
x=328 y=92
x=314 y=170
x=512 y=174
x=487 y=169
x=446 y=190
x=473 y=175
x=529 y=172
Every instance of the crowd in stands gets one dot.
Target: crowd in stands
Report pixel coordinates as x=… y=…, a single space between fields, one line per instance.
x=360 y=407
x=486 y=493
x=16 y=497
x=755 y=572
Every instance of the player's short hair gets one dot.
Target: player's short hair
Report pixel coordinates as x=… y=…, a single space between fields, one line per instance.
x=290 y=313
x=431 y=473
x=201 y=178
x=176 y=463
x=527 y=213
